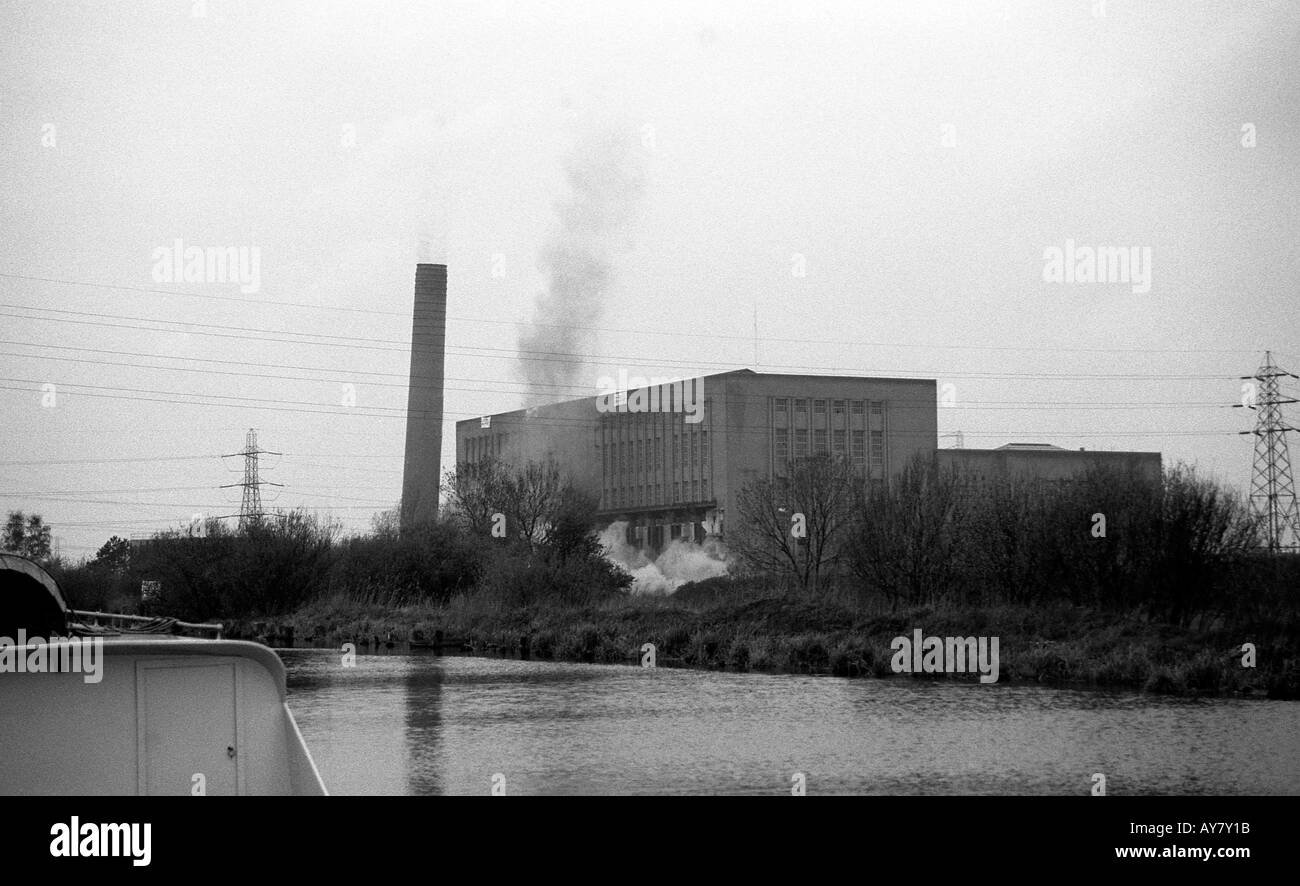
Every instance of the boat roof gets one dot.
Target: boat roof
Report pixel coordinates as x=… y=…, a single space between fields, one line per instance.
x=174 y=647
x=29 y=598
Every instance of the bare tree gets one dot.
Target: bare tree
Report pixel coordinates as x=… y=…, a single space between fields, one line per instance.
x=533 y=497
x=794 y=525
x=906 y=538
x=570 y=532
x=387 y=524
x=475 y=492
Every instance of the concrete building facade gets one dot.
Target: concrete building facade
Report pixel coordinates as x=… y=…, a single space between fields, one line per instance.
x=672 y=466
x=674 y=469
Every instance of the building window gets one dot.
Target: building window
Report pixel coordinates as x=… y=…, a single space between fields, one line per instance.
x=819 y=411
x=859 y=407
x=877 y=449
x=782 y=410
x=800 y=442
x=877 y=407
x=801 y=412
x=819 y=442
x=859 y=449
x=840 y=444
x=837 y=407
x=782 y=445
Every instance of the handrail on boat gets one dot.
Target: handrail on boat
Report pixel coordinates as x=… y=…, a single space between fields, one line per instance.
x=185 y=625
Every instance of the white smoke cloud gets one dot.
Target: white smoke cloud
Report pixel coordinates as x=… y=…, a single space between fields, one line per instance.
x=681 y=561
x=604 y=179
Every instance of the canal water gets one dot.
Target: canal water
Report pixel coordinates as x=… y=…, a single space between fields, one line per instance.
x=424 y=724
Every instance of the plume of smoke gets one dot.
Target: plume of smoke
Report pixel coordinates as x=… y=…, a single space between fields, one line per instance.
x=681 y=561
x=605 y=186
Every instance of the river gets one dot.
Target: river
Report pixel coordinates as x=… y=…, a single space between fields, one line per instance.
x=424 y=724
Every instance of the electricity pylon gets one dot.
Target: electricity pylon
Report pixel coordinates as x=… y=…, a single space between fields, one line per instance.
x=250 y=507
x=1272 y=491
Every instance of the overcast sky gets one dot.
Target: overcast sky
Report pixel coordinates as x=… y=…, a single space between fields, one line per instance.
x=877 y=183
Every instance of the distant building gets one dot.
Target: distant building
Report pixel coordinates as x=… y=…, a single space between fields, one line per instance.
x=1044 y=462
x=672 y=463
x=676 y=472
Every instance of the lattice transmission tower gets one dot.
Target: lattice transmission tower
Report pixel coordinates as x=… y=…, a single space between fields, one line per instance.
x=1272 y=490
x=250 y=507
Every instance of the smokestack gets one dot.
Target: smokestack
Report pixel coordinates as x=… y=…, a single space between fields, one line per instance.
x=422 y=470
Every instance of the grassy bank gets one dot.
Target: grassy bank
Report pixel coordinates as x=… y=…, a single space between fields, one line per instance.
x=724 y=624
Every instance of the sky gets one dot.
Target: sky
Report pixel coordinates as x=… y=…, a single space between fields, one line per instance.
x=856 y=188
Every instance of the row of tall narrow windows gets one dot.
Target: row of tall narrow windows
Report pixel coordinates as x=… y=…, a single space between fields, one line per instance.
x=479 y=448
x=648 y=494
x=835 y=442
x=688 y=453
x=825 y=412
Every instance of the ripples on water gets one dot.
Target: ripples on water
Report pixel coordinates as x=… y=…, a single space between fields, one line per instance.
x=412 y=724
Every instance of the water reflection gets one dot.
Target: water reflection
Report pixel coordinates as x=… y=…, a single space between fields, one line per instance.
x=423 y=680
x=422 y=724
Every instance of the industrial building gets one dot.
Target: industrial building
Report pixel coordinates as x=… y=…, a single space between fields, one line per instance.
x=1045 y=462
x=671 y=457
x=671 y=474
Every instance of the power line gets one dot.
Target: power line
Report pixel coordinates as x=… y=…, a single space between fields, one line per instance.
x=965 y=404
x=82 y=461
x=570 y=326
x=485 y=352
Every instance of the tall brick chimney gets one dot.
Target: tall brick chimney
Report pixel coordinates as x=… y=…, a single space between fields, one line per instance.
x=422 y=469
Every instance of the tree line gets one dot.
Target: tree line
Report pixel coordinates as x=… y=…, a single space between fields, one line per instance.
x=1174 y=546
x=512 y=536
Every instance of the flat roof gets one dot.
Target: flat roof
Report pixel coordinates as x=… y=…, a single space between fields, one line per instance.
x=672 y=380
